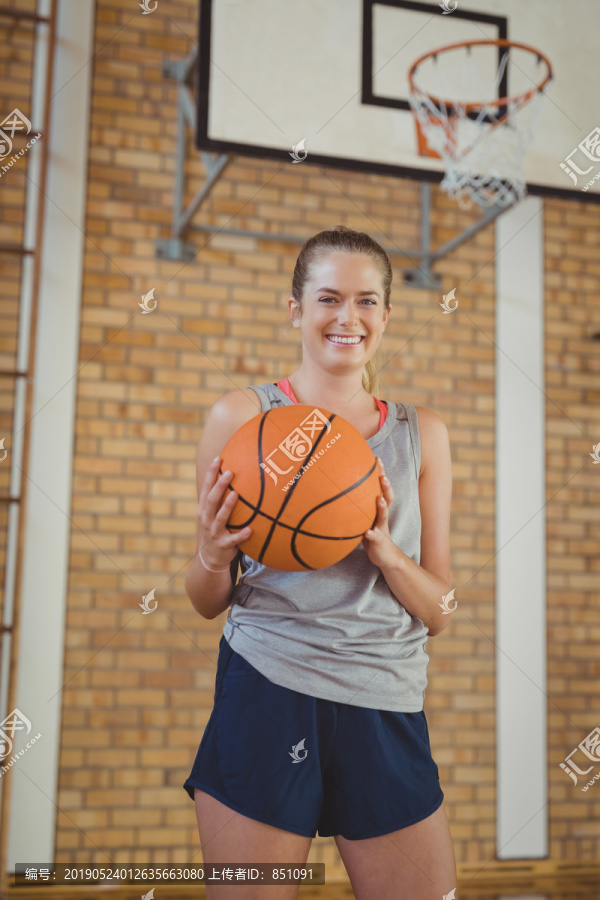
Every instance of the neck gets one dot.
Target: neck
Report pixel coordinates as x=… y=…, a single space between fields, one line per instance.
x=334 y=392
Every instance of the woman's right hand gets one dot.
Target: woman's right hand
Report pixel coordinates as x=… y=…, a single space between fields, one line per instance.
x=218 y=545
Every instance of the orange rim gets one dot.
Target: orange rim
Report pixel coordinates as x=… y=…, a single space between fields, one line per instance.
x=502 y=101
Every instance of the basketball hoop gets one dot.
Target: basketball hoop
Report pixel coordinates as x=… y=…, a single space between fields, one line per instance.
x=482 y=142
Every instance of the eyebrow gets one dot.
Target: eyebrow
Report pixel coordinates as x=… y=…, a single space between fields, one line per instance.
x=333 y=291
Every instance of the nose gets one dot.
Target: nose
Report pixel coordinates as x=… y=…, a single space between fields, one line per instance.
x=348 y=314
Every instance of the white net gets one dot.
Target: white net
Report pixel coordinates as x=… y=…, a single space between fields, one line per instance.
x=483 y=147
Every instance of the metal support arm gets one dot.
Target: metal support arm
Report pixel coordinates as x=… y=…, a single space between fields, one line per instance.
x=175 y=248
x=214 y=164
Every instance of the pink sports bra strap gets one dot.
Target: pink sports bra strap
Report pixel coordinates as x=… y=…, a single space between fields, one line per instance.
x=286 y=387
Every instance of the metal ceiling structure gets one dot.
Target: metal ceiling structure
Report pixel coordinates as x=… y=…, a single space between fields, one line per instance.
x=419 y=274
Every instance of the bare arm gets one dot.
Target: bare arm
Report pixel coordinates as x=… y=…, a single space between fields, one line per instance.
x=420 y=588
x=210 y=592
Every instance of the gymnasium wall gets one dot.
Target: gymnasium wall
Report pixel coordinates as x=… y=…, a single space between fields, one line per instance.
x=139 y=688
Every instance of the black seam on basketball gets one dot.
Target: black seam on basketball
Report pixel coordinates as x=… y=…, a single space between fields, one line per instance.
x=324 y=503
x=275 y=522
x=297 y=529
x=264 y=515
x=261 y=428
x=256 y=509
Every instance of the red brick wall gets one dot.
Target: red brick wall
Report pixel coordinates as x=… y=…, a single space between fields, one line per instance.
x=139 y=689
x=572 y=374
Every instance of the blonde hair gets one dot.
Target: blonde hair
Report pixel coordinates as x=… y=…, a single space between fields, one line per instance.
x=340 y=238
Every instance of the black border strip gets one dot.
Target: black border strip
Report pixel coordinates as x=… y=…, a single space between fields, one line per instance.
x=204 y=142
x=203 y=76
x=368 y=96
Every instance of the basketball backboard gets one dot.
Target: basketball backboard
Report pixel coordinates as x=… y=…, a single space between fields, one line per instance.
x=333 y=74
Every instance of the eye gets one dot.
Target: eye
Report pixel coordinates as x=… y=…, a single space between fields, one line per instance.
x=364 y=300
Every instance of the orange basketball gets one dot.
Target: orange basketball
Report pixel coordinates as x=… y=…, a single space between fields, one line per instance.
x=307 y=485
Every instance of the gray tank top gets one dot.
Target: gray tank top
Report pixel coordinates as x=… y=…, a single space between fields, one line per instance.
x=339 y=633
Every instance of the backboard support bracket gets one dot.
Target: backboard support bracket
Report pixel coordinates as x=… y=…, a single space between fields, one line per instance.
x=423 y=276
x=176 y=248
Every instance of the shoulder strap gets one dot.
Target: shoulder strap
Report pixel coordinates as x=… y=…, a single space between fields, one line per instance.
x=413 y=430
x=265 y=402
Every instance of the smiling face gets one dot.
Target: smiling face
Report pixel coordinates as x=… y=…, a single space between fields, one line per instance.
x=343 y=315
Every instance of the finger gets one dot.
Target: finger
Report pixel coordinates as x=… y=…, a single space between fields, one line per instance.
x=226 y=508
x=214 y=497
x=223 y=514
x=382 y=476
x=379 y=521
x=216 y=512
x=387 y=487
x=209 y=480
x=371 y=531
x=221 y=522
x=234 y=537
x=217 y=543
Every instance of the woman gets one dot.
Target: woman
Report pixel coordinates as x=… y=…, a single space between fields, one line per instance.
x=328 y=667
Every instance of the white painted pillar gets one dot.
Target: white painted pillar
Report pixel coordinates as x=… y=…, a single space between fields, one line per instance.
x=33 y=810
x=522 y=813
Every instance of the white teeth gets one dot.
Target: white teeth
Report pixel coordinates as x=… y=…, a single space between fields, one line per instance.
x=337 y=340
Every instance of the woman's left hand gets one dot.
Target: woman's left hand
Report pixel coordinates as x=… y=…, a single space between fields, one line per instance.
x=377 y=541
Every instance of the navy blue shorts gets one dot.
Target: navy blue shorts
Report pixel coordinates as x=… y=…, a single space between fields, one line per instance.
x=304 y=764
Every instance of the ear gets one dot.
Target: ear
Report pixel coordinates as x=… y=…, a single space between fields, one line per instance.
x=294 y=312
x=387 y=315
